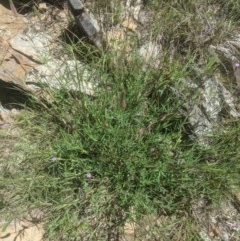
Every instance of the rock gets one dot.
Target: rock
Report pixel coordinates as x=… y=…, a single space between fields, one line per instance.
x=228 y=100
x=12 y=68
x=33 y=45
x=30 y=64
x=225 y=220
x=200 y=124
x=90 y=27
x=42 y=7
x=129 y=232
x=224 y=50
x=86 y=22
x=134 y=8
x=70 y=75
x=216 y=222
x=21 y=231
x=76 y=6
x=204 y=114
x=211 y=100
x=151 y=53
x=228 y=55
x=136 y=12
x=12 y=72
x=6 y=118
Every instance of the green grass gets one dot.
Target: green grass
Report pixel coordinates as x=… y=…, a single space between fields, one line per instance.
x=94 y=163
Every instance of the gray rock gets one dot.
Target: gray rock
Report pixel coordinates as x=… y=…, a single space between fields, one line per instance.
x=205 y=113
x=71 y=75
x=211 y=99
x=33 y=45
x=217 y=222
x=228 y=100
x=90 y=27
x=86 y=22
x=200 y=123
x=76 y=5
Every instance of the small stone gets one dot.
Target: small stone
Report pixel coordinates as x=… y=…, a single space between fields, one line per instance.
x=211 y=234
x=42 y=7
x=76 y=6
x=61 y=16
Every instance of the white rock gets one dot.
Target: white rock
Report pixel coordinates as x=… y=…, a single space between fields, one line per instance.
x=35 y=46
x=211 y=99
x=229 y=100
x=70 y=75
x=42 y=6
x=201 y=125
x=205 y=114
x=151 y=52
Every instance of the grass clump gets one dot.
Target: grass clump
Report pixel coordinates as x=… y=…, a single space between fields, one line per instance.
x=114 y=157
x=124 y=154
